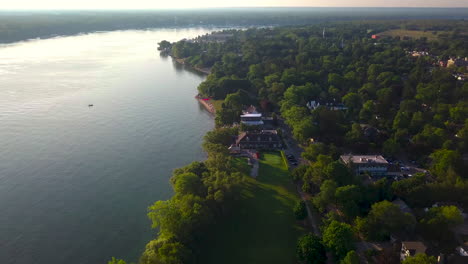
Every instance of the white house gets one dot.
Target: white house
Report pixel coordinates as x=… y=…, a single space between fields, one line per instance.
x=375 y=165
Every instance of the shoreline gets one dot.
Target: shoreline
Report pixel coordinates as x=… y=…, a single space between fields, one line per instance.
x=208 y=105
x=206 y=71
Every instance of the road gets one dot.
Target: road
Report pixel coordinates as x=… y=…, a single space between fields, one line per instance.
x=293 y=148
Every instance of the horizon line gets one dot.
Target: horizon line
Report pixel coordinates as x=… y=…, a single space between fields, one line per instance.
x=233 y=7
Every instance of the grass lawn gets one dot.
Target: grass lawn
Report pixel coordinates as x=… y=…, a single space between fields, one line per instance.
x=217 y=104
x=263 y=228
x=416 y=34
x=241 y=162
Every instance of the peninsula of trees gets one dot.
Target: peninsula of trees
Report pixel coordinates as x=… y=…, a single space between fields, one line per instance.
x=341 y=88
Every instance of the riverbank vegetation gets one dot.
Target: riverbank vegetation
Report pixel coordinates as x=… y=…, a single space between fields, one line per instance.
x=352 y=92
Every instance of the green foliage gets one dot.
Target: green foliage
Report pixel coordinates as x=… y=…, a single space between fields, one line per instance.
x=326 y=195
x=168 y=251
x=188 y=183
x=347 y=198
x=351 y=258
x=384 y=219
x=444 y=159
x=220 y=136
x=338 y=238
x=310 y=250
x=116 y=261
x=285 y=68
x=312 y=151
x=420 y=258
x=300 y=210
x=439 y=220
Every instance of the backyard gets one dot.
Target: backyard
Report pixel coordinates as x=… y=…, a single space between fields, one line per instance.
x=263 y=228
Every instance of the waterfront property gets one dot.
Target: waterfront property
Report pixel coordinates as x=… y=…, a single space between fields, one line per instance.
x=252 y=119
x=265 y=139
x=375 y=165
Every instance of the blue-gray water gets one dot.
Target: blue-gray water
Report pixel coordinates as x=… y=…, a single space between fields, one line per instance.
x=76 y=181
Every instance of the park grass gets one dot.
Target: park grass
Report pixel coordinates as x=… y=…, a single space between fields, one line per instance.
x=242 y=164
x=415 y=34
x=217 y=104
x=262 y=228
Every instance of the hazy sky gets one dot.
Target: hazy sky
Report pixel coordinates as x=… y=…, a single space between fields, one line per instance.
x=156 y=4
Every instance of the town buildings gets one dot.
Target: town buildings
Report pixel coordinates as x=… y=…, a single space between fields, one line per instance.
x=374 y=165
x=264 y=139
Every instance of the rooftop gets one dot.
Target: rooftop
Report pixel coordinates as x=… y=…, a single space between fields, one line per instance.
x=364 y=159
x=414 y=247
x=251 y=115
x=258 y=136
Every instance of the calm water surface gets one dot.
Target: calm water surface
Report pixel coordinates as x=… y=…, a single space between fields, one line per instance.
x=76 y=181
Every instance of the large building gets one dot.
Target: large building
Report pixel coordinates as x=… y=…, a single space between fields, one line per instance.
x=374 y=165
x=265 y=139
x=252 y=119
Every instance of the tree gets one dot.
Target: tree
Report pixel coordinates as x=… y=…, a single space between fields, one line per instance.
x=338 y=172
x=420 y=259
x=311 y=152
x=353 y=102
x=116 y=261
x=300 y=210
x=310 y=250
x=444 y=159
x=391 y=147
x=347 y=198
x=439 y=220
x=338 y=238
x=165 y=251
x=384 y=219
x=351 y=258
x=164 y=45
x=326 y=195
x=188 y=183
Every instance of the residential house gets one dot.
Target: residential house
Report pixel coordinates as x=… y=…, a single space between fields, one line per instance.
x=265 y=139
x=375 y=165
x=312 y=105
x=463 y=249
x=411 y=248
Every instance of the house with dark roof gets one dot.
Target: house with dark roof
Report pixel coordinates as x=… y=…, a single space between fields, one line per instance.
x=265 y=139
x=411 y=248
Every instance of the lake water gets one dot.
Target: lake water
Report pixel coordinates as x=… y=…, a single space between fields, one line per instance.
x=76 y=181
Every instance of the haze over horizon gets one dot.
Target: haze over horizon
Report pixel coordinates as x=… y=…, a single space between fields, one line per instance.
x=181 y=4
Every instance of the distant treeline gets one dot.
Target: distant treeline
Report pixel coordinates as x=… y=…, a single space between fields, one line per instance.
x=22 y=25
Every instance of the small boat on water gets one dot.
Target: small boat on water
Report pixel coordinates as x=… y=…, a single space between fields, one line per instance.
x=90 y=105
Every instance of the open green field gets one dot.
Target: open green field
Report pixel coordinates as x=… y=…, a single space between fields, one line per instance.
x=263 y=229
x=415 y=34
x=217 y=104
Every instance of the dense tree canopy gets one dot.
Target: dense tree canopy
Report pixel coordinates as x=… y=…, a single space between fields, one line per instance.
x=338 y=238
x=310 y=250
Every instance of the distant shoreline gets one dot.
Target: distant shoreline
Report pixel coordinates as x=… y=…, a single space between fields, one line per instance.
x=206 y=71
